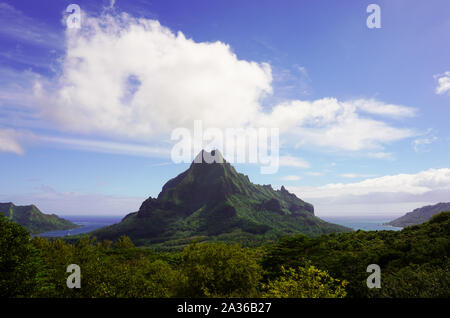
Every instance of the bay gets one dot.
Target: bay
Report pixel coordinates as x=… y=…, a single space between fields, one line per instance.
x=88 y=223
x=363 y=223
x=91 y=223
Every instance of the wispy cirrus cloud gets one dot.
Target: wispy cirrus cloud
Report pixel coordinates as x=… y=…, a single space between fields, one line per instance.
x=290 y=178
x=16 y=87
x=295 y=162
x=315 y=173
x=356 y=175
x=381 y=155
x=50 y=200
x=9 y=141
x=20 y=27
x=422 y=144
x=104 y=146
x=376 y=107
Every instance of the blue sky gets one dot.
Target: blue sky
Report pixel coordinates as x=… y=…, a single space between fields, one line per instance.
x=363 y=112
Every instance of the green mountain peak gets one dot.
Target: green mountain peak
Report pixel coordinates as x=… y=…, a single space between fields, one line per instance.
x=212 y=201
x=30 y=217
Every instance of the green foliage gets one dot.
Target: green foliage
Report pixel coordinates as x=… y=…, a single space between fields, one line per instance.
x=346 y=257
x=120 y=272
x=423 y=281
x=220 y=270
x=30 y=217
x=124 y=242
x=414 y=263
x=201 y=270
x=304 y=282
x=19 y=261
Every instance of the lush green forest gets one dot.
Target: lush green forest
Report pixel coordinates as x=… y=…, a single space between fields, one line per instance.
x=414 y=263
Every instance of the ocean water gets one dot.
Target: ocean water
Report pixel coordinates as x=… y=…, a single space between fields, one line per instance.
x=88 y=224
x=365 y=224
x=91 y=223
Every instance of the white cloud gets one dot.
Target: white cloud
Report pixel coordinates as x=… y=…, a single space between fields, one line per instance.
x=349 y=175
x=291 y=178
x=419 y=183
x=373 y=106
x=16 y=87
x=403 y=190
x=333 y=124
x=295 y=162
x=111 y=4
x=108 y=146
x=355 y=175
x=380 y=155
x=127 y=77
x=421 y=144
x=174 y=81
x=443 y=83
x=9 y=141
x=314 y=174
x=304 y=72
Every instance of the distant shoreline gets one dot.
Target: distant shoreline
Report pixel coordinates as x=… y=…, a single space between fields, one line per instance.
x=85 y=224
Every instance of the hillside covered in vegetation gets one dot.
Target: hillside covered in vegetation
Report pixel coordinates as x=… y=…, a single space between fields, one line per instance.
x=414 y=263
x=213 y=202
x=33 y=219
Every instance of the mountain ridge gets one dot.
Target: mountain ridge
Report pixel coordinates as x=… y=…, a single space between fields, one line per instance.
x=420 y=215
x=211 y=201
x=30 y=217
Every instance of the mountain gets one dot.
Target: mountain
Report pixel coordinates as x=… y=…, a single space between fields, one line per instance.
x=34 y=220
x=213 y=202
x=420 y=215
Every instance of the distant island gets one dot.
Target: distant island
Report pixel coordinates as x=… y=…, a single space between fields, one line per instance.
x=213 y=202
x=30 y=217
x=420 y=215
